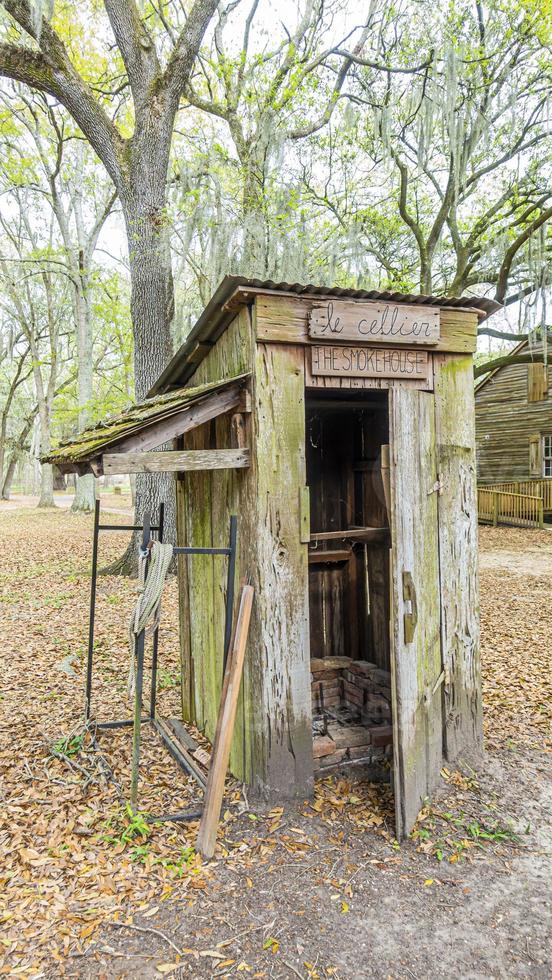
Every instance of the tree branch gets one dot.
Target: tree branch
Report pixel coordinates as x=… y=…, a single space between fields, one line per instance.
x=505 y=268
x=136 y=46
x=357 y=60
x=506 y=359
x=51 y=70
x=177 y=72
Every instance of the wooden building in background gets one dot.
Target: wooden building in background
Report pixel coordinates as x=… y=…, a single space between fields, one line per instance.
x=513 y=413
x=339 y=426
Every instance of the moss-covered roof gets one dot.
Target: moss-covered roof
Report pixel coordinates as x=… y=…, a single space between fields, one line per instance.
x=92 y=442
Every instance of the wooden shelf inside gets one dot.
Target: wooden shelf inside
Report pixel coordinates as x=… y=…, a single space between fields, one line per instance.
x=330 y=557
x=353 y=534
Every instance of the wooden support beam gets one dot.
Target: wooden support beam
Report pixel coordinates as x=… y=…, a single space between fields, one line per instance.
x=175 y=462
x=238 y=431
x=330 y=557
x=207 y=835
x=209 y=407
x=355 y=534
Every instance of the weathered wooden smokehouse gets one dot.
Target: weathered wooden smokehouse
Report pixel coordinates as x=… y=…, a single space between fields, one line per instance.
x=339 y=426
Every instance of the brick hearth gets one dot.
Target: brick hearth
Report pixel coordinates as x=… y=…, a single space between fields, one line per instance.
x=351 y=707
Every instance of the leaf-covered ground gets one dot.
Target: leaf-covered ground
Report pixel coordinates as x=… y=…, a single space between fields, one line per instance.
x=318 y=890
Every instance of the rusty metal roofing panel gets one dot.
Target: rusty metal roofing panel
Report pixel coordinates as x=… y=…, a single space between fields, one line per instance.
x=215 y=317
x=481 y=303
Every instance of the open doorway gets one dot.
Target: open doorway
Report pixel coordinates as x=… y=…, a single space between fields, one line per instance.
x=349 y=589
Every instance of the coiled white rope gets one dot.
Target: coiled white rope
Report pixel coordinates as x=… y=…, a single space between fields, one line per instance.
x=150 y=591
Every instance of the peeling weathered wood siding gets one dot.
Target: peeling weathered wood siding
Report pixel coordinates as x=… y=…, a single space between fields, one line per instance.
x=434 y=538
x=272 y=746
x=282 y=736
x=505 y=421
x=206 y=499
x=457 y=505
x=416 y=665
x=284 y=319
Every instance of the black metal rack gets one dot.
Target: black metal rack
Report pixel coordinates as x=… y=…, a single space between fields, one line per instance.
x=178 y=752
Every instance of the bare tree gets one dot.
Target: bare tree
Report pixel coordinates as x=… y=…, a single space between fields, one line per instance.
x=63 y=179
x=36 y=308
x=468 y=141
x=158 y=54
x=269 y=95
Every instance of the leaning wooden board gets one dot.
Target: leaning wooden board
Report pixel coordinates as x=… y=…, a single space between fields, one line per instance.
x=214 y=792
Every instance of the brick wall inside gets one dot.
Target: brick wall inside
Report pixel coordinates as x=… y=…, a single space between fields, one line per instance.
x=351 y=707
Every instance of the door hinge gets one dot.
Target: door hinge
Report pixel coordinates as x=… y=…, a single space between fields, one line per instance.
x=438 y=486
x=444 y=677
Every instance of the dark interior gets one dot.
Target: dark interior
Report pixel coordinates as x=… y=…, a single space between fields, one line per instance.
x=348 y=571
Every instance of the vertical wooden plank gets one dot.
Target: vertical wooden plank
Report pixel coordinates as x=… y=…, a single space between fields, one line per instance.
x=279 y=667
x=222 y=741
x=457 y=504
x=416 y=665
x=377 y=559
x=225 y=500
x=206 y=502
x=202 y=594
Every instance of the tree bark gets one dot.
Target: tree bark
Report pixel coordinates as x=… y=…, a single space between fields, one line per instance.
x=85 y=493
x=46 y=498
x=152 y=311
x=255 y=244
x=8 y=479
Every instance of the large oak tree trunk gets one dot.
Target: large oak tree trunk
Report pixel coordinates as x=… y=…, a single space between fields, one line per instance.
x=85 y=494
x=152 y=311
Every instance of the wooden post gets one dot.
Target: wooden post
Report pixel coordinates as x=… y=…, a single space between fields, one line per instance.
x=277 y=686
x=495 y=507
x=214 y=792
x=457 y=506
x=386 y=479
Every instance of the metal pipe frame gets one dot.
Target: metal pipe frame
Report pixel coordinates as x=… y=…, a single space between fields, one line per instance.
x=138 y=718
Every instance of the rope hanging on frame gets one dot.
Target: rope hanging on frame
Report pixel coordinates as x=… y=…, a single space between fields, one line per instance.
x=150 y=592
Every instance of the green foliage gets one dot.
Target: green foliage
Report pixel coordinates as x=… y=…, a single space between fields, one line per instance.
x=69 y=745
x=284 y=165
x=451 y=836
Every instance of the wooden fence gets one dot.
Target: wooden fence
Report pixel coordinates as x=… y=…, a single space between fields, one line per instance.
x=535 y=488
x=498 y=506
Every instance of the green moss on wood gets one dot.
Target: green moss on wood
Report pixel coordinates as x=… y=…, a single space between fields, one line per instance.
x=92 y=441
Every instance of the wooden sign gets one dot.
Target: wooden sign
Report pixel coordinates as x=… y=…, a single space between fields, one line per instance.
x=390 y=323
x=369 y=362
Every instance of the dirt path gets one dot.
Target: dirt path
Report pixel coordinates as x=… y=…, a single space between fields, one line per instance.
x=516 y=551
x=116 y=503
x=316 y=891
x=351 y=907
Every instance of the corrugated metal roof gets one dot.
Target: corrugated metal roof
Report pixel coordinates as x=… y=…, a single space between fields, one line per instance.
x=214 y=318
x=487 y=306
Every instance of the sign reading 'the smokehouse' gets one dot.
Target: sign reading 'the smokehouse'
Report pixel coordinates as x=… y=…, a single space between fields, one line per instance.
x=369 y=362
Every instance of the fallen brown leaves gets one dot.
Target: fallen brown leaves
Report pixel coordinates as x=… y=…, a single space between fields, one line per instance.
x=516 y=635
x=70 y=862
x=74 y=858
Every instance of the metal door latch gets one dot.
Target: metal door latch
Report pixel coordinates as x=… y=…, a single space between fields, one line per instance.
x=410 y=619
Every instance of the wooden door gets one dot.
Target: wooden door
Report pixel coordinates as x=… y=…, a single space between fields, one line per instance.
x=415 y=605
